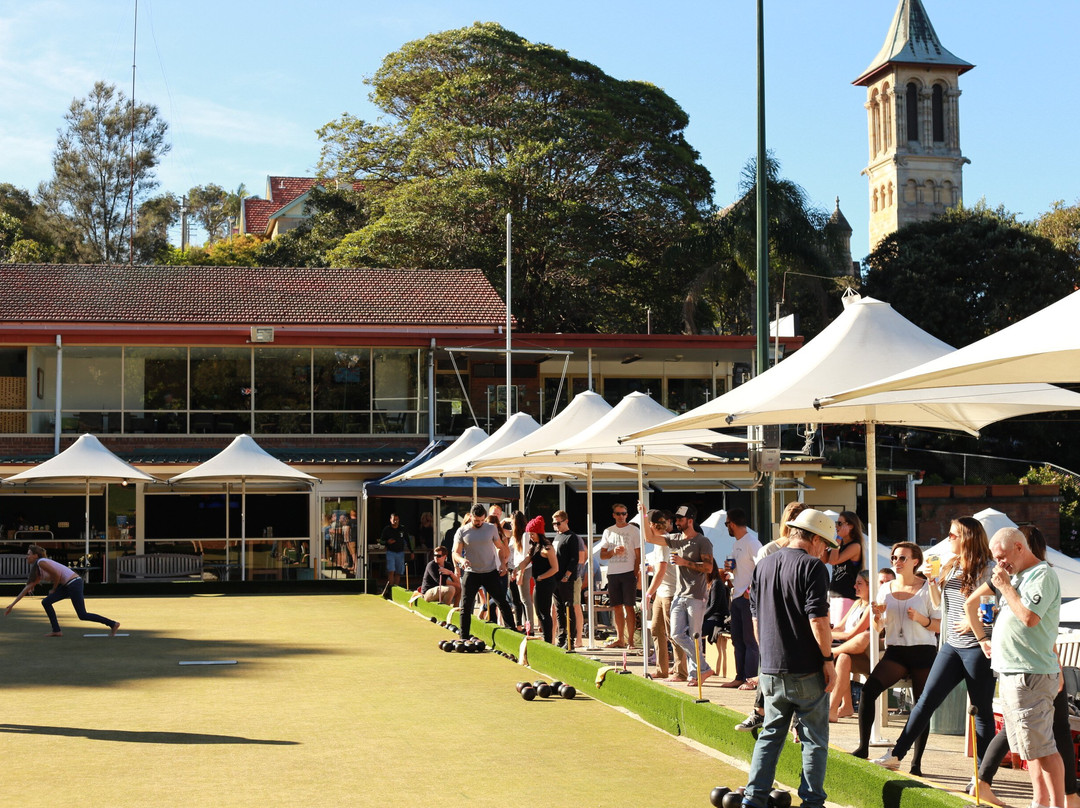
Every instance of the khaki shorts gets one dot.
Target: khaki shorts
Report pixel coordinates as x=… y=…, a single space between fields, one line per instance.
x=1029 y=712
x=440 y=594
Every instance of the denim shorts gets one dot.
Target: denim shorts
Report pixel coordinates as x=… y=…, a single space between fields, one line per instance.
x=395 y=562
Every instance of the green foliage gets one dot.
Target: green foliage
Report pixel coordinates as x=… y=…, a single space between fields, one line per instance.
x=1061 y=224
x=206 y=204
x=238 y=251
x=722 y=254
x=332 y=215
x=152 y=225
x=1070 y=503
x=968 y=273
x=479 y=123
x=87 y=198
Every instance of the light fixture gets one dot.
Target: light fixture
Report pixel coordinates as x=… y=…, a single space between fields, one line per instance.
x=630 y=358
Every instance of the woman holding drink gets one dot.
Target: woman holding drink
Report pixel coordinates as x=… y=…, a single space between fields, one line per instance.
x=906 y=612
x=960 y=658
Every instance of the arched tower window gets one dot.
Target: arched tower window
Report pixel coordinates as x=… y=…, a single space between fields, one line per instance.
x=886 y=116
x=911 y=99
x=873 y=202
x=875 y=123
x=890 y=194
x=938 y=112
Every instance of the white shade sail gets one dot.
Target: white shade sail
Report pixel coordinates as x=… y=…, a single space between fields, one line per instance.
x=1044 y=347
x=84 y=460
x=868 y=340
x=465 y=443
x=516 y=427
x=240 y=461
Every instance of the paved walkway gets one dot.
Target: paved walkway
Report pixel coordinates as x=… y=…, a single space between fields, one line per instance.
x=945 y=765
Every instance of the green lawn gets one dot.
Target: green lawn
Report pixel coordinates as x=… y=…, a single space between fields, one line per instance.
x=340 y=700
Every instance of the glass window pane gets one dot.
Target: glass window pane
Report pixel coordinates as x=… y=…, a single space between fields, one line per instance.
x=282 y=379
x=616 y=389
x=685 y=394
x=91 y=378
x=220 y=379
x=342 y=379
x=283 y=423
x=155 y=379
x=395 y=387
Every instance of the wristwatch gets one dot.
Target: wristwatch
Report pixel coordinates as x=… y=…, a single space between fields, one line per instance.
x=830 y=658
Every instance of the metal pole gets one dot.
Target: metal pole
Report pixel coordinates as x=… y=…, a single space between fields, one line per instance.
x=764 y=503
x=509 y=406
x=58 y=425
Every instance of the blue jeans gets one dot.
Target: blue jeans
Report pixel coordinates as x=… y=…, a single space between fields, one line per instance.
x=686 y=616
x=74 y=590
x=951 y=667
x=791 y=694
x=743 y=641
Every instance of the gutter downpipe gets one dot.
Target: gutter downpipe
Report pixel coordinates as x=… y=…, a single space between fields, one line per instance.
x=431 y=391
x=59 y=389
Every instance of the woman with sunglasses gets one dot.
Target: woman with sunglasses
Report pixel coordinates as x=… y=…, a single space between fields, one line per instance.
x=846 y=561
x=907 y=614
x=961 y=658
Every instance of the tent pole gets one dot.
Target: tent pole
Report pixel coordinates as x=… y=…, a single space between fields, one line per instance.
x=243 y=529
x=87 y=556
x=226 y=571
x=591 y=644
x=645 y=648
x=872 y=545
x=363 y=534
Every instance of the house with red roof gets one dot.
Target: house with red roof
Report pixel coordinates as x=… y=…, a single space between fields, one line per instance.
x=283 y=207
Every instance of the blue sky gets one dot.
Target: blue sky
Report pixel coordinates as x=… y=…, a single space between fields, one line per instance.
x=244 y=85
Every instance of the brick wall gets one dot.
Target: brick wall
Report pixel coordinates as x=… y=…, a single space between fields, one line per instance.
x=938 y=505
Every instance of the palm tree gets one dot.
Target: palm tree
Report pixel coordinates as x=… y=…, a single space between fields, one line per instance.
x=723 y=251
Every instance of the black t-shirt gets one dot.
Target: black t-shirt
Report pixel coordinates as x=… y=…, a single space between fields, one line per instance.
x=540 y=565
x=789 y=587
x=567 y=550
x=434 y=575
x=396 y=539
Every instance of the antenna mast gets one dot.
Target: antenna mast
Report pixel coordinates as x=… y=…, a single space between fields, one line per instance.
x=131 y=193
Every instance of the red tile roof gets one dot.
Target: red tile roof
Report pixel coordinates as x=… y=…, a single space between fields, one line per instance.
x=257 y=214
x=76 y=293
x=280 y=192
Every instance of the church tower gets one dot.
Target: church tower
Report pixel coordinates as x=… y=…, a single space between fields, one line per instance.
x=913 y=115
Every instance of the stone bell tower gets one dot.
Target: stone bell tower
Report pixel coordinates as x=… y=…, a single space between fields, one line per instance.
x=913 y=115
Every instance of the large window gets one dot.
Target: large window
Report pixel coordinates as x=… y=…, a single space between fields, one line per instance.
x=214 y=390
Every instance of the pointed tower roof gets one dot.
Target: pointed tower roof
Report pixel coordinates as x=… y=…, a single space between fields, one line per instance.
x=838 y=219
x=912 y=40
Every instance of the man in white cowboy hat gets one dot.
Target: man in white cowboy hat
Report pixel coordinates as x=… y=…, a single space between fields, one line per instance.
x=789 y=602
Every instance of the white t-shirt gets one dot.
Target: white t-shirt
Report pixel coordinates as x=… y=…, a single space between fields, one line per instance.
x=627 y=537
x=743 y=552
x=661 y=555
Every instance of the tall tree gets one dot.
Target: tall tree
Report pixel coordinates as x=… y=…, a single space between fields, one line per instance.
x=156 y=216
x=479 y=123
x=1061 y=224
x=95 y=174
x=968 y=273
x=722 y=256
x=207 y=204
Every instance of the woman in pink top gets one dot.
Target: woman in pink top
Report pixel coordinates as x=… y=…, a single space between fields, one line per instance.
x=66 y=583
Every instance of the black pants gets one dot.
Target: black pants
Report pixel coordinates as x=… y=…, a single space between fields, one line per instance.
x=898 y=661
x=492 y=583
x=564 y=602
x=542 y=594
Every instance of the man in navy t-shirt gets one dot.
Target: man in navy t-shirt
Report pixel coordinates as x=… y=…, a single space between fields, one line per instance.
x=789 y=601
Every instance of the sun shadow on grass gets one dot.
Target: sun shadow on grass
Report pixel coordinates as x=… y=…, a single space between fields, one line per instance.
x=127 y=736
x=102 y=661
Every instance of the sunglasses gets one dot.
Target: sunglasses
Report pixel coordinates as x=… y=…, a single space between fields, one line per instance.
x=900 y=558
x=619 y=513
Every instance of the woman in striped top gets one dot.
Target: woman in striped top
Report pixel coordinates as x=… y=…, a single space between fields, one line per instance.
x=960 y=658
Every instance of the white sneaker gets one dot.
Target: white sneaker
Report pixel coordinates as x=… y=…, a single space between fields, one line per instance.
x=888 y=760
